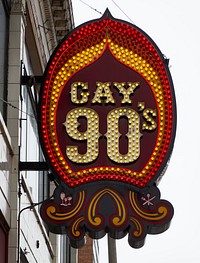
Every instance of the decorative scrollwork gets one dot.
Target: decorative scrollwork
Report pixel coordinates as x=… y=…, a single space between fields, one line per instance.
x=76 y=227
x=18 y=5
x=139 y=229
x=152 y=215
x=92 y=210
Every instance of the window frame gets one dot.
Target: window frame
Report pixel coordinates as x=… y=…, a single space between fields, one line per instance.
x=5 y=228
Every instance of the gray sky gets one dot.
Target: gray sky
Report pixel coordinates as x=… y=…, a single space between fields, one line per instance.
x=174 y=26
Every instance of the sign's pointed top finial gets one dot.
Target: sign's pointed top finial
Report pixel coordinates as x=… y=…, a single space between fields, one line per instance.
x=107 y=13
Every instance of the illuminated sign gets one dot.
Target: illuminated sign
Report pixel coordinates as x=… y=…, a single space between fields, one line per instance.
x=107 y=127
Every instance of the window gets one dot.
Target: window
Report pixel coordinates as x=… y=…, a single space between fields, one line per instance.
x=37 y=181
x=3 y=55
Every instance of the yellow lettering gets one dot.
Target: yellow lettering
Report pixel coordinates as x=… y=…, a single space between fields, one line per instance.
x=150 y=123
x=84 y=93
x=113 y=135
x=126 y=92
x=91 y=135
x=103 y=92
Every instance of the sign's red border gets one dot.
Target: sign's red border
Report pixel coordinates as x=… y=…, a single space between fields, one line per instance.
x=82 y=47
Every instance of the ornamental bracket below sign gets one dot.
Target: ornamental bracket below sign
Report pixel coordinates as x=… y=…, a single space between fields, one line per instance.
x=115 y=210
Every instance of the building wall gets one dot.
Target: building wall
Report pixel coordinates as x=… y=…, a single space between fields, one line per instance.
x=85 y=254
x=29 y=46
x=90 y=252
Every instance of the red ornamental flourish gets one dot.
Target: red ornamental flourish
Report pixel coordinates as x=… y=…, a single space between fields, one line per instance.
x=107 y=106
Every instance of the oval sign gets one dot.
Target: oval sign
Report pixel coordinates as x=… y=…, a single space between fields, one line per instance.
x=107 y=106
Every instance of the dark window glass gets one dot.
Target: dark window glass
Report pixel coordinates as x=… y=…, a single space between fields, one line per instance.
x=3 y=56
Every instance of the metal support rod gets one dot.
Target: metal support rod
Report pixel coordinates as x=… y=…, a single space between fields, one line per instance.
x=31 y=80
x=33 y=166
x=112 y=253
